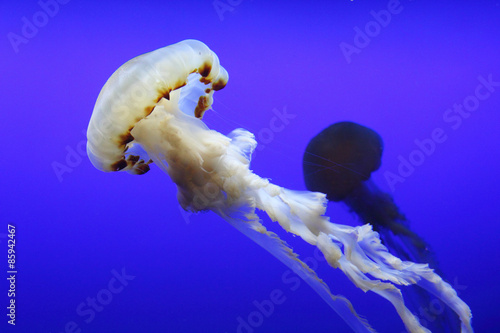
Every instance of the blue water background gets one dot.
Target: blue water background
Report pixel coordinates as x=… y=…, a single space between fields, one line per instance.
x=77 y=229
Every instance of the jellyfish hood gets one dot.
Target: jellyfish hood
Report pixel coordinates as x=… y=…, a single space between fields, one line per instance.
x=340 y=158
x=151 y=110
x=133 y=91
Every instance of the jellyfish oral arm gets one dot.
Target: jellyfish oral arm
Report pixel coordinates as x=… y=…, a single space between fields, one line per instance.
x=279 y=249
x=212 y=172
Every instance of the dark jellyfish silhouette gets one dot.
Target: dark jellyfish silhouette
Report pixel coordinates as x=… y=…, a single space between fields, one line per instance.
x=339 y=162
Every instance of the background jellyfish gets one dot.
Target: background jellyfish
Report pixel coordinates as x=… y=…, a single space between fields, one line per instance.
x=338 y=162
x=150 y=110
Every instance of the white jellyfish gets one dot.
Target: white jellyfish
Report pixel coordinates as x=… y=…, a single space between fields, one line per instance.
x=151 y=109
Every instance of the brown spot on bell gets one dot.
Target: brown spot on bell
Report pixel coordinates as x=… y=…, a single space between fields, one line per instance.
x=203 y=105
x=219 y=85
x=205 y=69
x=125 y=138
x=119 y=165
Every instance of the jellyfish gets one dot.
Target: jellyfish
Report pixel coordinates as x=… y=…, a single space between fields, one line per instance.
x=151 y=111
x=339 y=162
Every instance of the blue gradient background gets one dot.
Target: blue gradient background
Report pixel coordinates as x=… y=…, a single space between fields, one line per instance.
x=195 y=273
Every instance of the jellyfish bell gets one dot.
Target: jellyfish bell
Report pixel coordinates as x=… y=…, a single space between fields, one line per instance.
x=150 y=111
x=186 y=74
x=340 y=158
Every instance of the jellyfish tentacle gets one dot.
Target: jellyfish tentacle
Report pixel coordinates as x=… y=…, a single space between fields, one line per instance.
x=435 y=285
x=379 y=209
x=301 y=213
x=280 y=250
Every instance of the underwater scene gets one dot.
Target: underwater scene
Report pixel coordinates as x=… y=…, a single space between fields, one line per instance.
x=249 y=166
